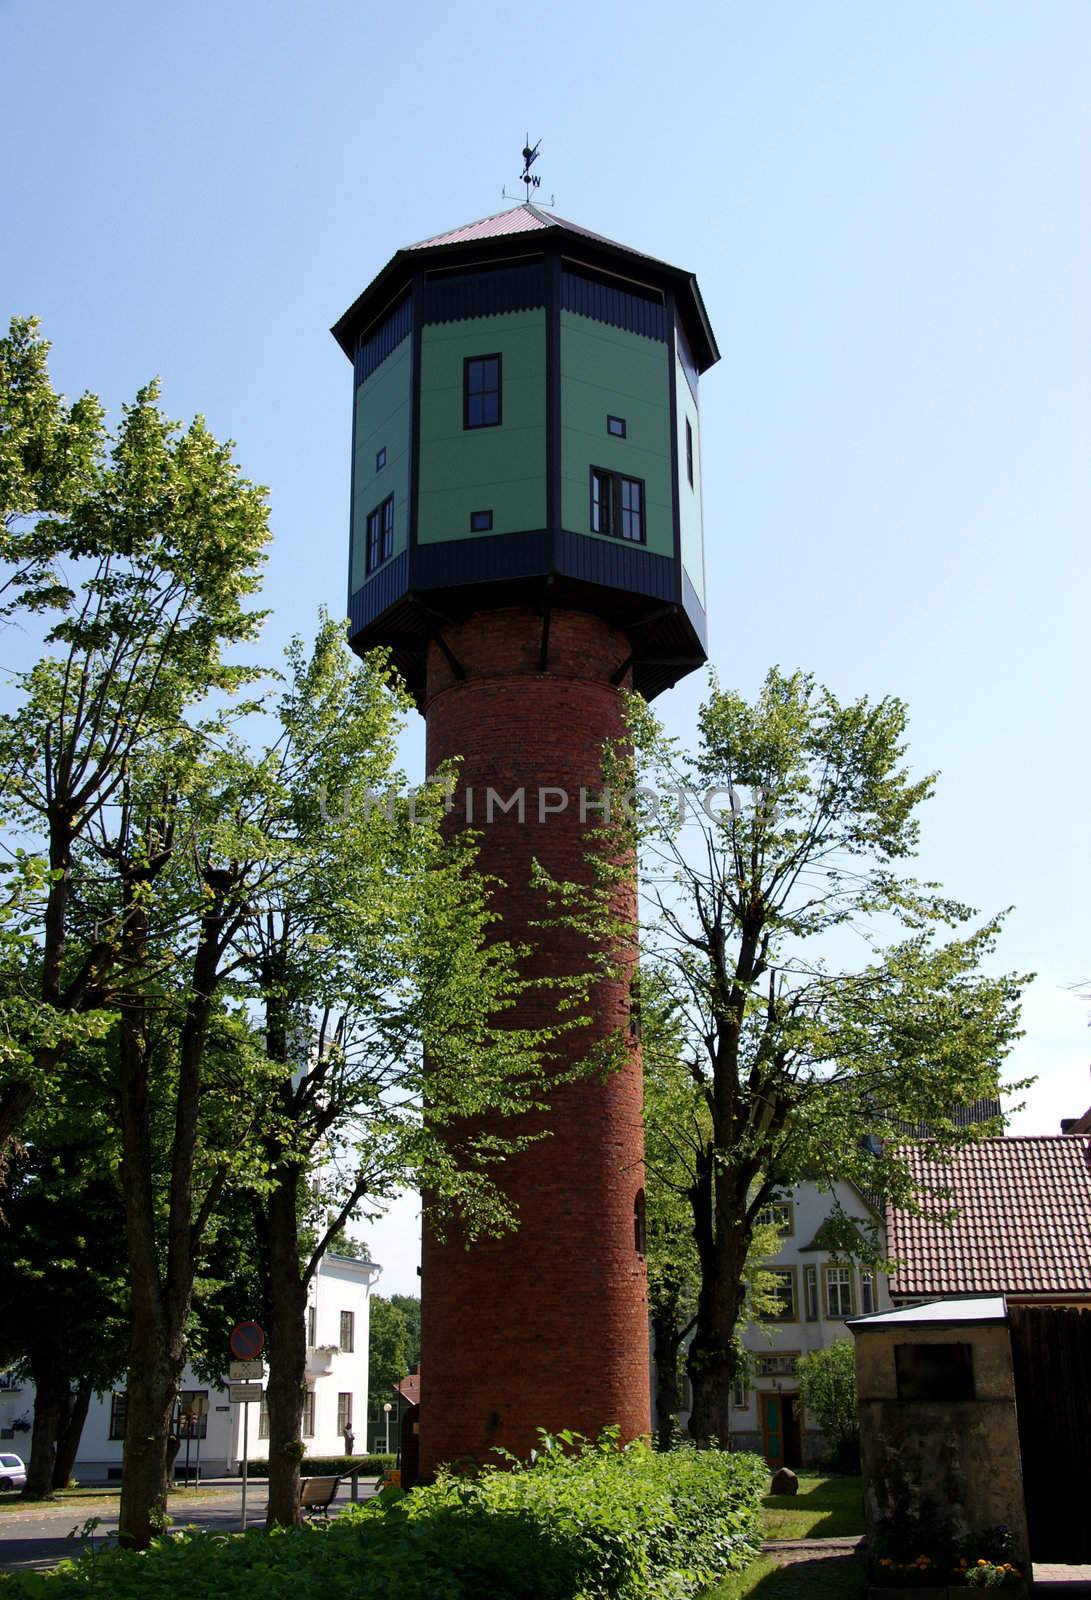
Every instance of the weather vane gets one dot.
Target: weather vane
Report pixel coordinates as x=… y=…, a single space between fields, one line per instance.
x=530 y=179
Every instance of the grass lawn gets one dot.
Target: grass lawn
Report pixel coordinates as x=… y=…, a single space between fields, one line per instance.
x=843 y=1578
x=104 y=1497
x=824 y=1508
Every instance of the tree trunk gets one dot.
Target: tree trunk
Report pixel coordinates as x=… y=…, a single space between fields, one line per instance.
x=287 y=1348
x=68 y=1443
x=51 y=1402
x=666 y=1339
x=722 y=1234
x=152 y=1391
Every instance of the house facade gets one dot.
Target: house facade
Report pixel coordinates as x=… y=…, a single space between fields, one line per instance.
x=819 y=1288
x=338 y=1323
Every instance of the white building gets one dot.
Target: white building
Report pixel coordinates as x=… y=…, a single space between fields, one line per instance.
x=819 y=1288
x=338 y=1323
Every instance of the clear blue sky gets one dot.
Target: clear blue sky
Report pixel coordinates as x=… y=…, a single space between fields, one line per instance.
x=887 y=207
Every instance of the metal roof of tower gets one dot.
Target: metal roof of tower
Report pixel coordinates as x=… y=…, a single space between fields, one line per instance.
x=494 y=235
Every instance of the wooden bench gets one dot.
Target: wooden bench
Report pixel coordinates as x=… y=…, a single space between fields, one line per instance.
x=316 y=1495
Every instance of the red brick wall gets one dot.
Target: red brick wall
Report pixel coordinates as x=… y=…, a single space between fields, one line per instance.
x=547 y=1327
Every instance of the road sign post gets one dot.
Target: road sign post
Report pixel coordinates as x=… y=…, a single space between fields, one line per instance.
x=245 y=1460
x=247 y=1343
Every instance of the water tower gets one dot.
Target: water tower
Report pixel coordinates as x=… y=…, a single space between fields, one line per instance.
x=526 y=540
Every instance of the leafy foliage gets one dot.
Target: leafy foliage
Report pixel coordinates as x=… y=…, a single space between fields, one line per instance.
x=597 y=1524
x=388 y=1360
x=757 y=905
x=827 y=1387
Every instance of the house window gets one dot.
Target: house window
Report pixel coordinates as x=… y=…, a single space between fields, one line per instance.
x=779 y=1366
x=783 y=1288
x=481 y=392
x=740 y=1395
x=380 y=534
x=344 y=1412
x=617 y=505
x=810 y=1293
x=480 y=521
x=192 y=1425
x=348 y=1330
x=312 y=1326
x=616 y=427
x=263 y=1419
x=307 y=1429
x=380 y=459
x=838 y=1292
x=119 y=1411
x=778 y=1215
x=640 y=1223
x=8 y=1381
x=689 y=452
x=867 y=1291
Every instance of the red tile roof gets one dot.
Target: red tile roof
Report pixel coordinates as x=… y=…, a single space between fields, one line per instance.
x=409 y=1388
x=1022 y=1223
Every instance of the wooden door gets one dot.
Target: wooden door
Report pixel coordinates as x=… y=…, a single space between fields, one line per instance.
x=772 y=1429
x=1051 y=1357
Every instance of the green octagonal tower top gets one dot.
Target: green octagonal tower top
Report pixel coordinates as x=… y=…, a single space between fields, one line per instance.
x=526 y=432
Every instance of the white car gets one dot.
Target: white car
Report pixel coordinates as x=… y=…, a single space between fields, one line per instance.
x=13 y=1474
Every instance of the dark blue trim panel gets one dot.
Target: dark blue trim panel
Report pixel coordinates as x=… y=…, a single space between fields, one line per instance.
x=454 y=563
x=382 y=341
x=379 y=593
x=589 y=297
x=456 y=296
x=616 y=565
x=695 y=611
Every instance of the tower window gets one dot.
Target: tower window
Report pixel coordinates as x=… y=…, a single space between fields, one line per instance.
x=632 y=509
x=380 y=459
x=480 y=521
x=617 y=505
x=689 y=452
x=616 y=426
x=602 y=501
x=481 y=392
x=380 y=534
x=640 y=1223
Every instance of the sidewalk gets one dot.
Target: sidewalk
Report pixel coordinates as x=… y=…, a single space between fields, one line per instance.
x=40 y=1537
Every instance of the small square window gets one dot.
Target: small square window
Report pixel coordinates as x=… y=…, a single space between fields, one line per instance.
x=616 y=426
x=480 y=521
x=380 y=459
x=481 y=392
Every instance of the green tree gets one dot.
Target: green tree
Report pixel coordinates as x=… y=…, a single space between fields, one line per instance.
x=124 y=906
x=827 y=1387
x=757 y=909
x=138 y=553
x=370 y=948
x=388 y=1352
x=62 y=1273
x=409 y=1306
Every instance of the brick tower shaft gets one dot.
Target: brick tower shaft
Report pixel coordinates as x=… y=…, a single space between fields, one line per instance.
x=546 y=1327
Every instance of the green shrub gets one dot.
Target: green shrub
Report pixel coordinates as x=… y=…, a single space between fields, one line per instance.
x=597 y=1524
x=332 y=1466
x=827 y=1387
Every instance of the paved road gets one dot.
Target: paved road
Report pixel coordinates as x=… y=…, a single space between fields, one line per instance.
x=40 y=1538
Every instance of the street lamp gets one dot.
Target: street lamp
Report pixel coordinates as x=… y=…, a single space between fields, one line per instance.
x=388 y=1408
